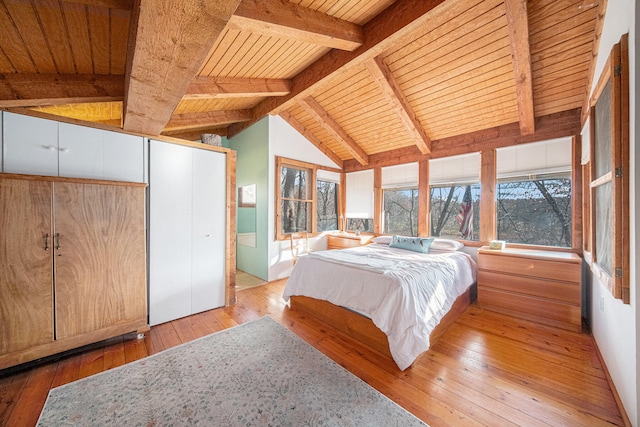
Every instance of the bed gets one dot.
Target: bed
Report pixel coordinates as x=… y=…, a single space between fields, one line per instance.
x=395 y=300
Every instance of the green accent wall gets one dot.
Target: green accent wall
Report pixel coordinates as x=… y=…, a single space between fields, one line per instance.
x=252 y=147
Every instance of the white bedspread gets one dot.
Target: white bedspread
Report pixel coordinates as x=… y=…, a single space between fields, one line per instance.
x=404 y=293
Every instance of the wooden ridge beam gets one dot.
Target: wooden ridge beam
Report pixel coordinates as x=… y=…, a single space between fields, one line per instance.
x=557 y=125
x=315 y=110
x=518 y=26
x=236 y=87
x=281 y=18
x=168 y=42
x=206 y=119
x=392 y=26
x=31 y=90
x=383 y=76
x=194 y=135
x=320 y=145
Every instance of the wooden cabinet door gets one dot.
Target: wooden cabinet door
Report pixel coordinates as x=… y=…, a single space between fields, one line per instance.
x=30 y=145
x=100 y=256
x=26 y=281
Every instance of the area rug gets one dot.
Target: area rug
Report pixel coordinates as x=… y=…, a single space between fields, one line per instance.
x=255 y=374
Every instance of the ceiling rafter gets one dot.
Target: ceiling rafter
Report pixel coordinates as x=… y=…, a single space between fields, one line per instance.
x=111 y=4
x=597 y=34
x=236 y=87
x=518 y=25
x=30 y=90
x=320 y=145
x=281 y=18
x=392 y=26
x=383 y=76
x=168 y=42
x=195 y=135
x=206 y=119
x=315 y=110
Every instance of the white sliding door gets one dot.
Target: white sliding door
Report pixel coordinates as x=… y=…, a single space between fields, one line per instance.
x=208 y=230
x=187 y=224
x=170 y=211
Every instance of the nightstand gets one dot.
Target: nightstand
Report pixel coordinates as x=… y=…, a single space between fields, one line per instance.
x=538 y=285
x=342 y=241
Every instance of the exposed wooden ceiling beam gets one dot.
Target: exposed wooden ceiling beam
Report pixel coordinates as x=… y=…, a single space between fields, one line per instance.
x=206 y=119
x=320 y=145
x=281 y=18
x=315 y=110
x=30 y=90
x=195 y=135
x=392 y=26
x=518 y=25
x=557 y=125
x=168 y=42
x=236 y=87
x=383 y=76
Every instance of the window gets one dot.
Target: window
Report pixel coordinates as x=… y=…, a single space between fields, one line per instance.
x=534 y=193
x=609 y=174
x=454 y=197
x=401 y=211
x=400 y=199
x=535 y=211
x=359 y=209
x=295 y=199
x=327 y=208
x=305 y=202
x=455 y=211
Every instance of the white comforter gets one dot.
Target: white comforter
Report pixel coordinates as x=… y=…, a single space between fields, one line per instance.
x=404 y=293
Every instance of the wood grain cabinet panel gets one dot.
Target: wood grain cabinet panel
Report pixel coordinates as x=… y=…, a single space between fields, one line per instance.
x=542 y=286
x=73 y=268
x=26 y=276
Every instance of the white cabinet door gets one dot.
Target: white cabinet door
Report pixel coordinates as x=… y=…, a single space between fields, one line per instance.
x=81 y=153
x=208 y=230
x=170 y=212
x=30 y=145
x=123 y=157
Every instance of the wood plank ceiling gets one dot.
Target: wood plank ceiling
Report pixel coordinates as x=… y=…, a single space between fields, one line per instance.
x=358 y=78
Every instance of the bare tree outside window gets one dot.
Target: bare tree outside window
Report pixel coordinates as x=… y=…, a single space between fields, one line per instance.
x=535 y=212
x=294 y=198
x=445 y=203
x=327 y=205
x=401 y=211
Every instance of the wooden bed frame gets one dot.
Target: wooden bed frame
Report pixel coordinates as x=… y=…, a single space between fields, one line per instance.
x=363 y=329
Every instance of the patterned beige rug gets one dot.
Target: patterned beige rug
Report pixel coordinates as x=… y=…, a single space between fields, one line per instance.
x=255 y=374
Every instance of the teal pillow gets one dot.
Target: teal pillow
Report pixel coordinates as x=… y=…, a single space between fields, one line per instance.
x=416 y=244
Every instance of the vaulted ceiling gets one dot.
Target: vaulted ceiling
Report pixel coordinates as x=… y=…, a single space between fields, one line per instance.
x=358 y=78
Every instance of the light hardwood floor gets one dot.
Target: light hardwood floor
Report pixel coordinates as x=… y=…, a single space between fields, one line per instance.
x=488 y=369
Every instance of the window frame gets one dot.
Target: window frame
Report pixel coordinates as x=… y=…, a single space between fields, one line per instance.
x=616 y=74
x=312 y=215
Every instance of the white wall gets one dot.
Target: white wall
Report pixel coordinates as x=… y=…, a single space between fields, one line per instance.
x=285 y=141
x=614 y=324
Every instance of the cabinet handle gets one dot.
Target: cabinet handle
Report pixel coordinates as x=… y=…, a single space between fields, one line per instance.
x=46 y=242
x=64 y=150
x=57 y=236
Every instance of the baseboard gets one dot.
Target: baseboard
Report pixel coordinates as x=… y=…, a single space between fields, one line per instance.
x=614 y=391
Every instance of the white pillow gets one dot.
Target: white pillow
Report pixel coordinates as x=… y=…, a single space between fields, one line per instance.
x=383 y=240
x=447 y=245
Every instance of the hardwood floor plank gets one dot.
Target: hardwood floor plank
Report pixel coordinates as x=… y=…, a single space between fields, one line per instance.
x=35 y=391
x=487 y=369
